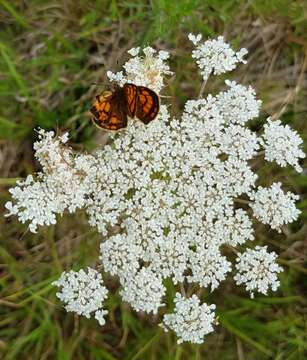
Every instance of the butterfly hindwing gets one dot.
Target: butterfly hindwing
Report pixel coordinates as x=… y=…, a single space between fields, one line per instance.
x=147 y=104
x=131 y=91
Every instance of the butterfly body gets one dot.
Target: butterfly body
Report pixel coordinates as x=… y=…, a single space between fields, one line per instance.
x=112 y=108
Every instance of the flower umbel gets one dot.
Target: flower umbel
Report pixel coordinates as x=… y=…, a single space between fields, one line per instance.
x=215 y=56
x=190 y=320
x=282 y=144
x=83 y=292
x=258 y=270
x=167 y=196
x=274 y=207
x=147 y=70
x=143 y=290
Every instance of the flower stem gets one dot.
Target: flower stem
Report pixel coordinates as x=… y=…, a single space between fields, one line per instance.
x=202 y=88
x=8 y=181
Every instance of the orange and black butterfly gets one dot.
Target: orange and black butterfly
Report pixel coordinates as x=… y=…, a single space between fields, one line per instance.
x=112 y=108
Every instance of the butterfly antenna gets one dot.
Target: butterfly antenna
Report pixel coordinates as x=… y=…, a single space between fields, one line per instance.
x=166 y=96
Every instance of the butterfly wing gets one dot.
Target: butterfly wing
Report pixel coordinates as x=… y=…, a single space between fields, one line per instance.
x=130 y=91
x=109 y=114
x=147 y=104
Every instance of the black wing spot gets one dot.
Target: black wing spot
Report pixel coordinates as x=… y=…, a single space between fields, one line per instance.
x=94 y=111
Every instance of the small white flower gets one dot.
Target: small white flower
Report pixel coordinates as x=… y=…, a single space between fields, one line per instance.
x=64 y=138
x=282 y=144
x=83 y=293
x=134 y=51
x=195 y=38
x=190 y=320
x=116 y=77
x=99 y=316
x=273 y=206
x=257 y=270
x=163 y=55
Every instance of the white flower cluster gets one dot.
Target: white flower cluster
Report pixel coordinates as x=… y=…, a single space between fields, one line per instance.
x=215 y=56
x=61 y=185
x=165 y=196
x=147 y=70
x=274 y=207
x=282 y=144
x=239 y=104
x=83 y=292
x=190 y=320
x=257 y=269
x=208 y=267
x=143 y=290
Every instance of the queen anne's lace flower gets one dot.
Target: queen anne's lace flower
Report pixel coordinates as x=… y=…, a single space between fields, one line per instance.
x=62 y=185
x=164 y=196
x=83 y=293
x=215 y=56
x=147 y=70
x=274 y=207
x=168 y=258
x=208 y=266
x=143 y=290
x=238 y=104
x=257 y=270
x=239 y=142
x=120 y=255
x=282 y=144
x=234 y=228
x=190 y=320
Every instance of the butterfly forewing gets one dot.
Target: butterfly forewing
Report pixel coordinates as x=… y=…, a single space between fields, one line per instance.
x=109 y=111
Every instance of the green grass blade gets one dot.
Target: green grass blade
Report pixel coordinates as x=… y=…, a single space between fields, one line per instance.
x=236 y=331
x=18 y=18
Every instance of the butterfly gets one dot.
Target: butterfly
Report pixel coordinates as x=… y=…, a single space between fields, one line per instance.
x=112 y=108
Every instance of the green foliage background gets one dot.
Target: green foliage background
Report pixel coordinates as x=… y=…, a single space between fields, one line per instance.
x=53 y=59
